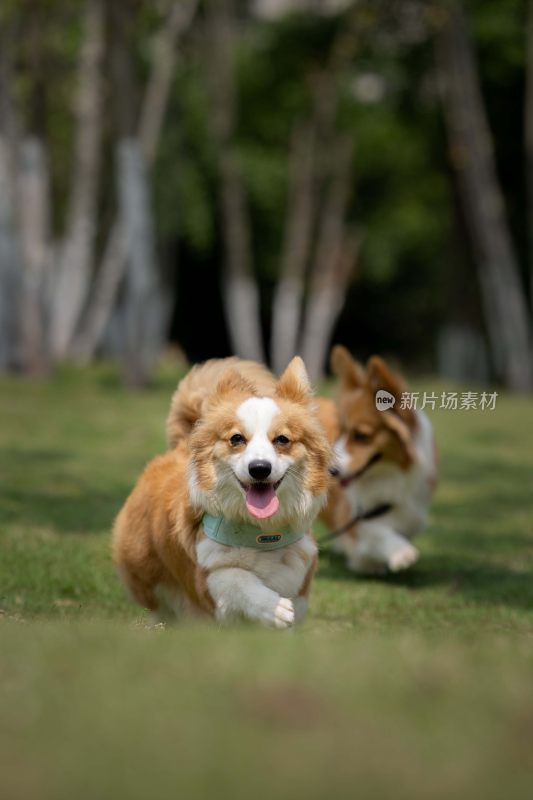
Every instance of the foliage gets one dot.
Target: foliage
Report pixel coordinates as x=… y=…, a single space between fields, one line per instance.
x=401 y=190
x=403 y=198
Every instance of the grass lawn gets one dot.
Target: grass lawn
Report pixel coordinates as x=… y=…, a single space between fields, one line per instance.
x=417 y=686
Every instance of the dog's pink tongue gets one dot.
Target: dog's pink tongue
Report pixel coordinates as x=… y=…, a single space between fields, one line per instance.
x=261 y=500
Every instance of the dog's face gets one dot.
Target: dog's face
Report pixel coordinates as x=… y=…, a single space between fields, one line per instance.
x=367 y=434
x=260 y=459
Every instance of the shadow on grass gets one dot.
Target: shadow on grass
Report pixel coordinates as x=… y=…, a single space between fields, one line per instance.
x=482 y=513
x=474 y=580
x=82 y=511
x=47 y=494
x=12 y=456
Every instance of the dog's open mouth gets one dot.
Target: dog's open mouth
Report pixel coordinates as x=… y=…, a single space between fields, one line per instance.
x=261 y=498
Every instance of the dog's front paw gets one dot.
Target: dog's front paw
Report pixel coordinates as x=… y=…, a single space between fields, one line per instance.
x=403 y=558
x=283 y=614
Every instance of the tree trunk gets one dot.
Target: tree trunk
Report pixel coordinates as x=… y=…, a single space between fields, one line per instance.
x=528 y=138
x=33 y=203
x=165 y=56
x=472 y=156
x=144 y=310
x=10 y=255
x=311 y=169
x=113 y=263
x=9 y=121
x=77 y=252
x=335 y=257
x=240 y=291
x=10 y=268
x=301 y=211
x=462 y=354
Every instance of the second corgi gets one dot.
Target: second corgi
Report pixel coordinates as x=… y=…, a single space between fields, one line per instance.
x=387 y=467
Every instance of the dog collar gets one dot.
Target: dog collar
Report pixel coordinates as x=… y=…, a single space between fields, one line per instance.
x=236 y=534
x=361 y=516
x=344 y=482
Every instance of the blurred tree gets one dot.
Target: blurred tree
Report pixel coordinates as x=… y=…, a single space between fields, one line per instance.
x=311 y=202
x=76 y=254
x=319 y=192
x=471 y=151
x=177 y=19
x=336 y=244
x=139 y=319
x=33 y=203
x=50 y=285
x=335 y=256
x=34 y=223
x=317 y=156
x=528 y=139
x=240 y=291
x=287 y=304
x=10 y=254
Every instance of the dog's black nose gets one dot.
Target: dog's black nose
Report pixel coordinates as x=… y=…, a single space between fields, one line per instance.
x=334 y=472
x=259 y=469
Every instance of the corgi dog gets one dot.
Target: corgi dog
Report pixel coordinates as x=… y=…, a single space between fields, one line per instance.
x=387 y=467
x=220 y=526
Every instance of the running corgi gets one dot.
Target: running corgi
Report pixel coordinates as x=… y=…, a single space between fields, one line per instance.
x=387 y=466
x=220 y=525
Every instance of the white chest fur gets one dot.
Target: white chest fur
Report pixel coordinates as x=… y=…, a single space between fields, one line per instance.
x=283 y=570
x=409 y=491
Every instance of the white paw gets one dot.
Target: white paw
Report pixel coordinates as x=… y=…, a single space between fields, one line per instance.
x=403 y=558
x=283 y=613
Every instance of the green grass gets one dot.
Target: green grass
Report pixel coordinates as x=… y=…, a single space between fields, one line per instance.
x=414 y=686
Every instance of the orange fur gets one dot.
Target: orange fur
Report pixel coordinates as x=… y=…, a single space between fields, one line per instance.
x=157 y=531
x=155 y=535
x=189 y=399
x=385 y=432
x=367 y=430
x=328 y=416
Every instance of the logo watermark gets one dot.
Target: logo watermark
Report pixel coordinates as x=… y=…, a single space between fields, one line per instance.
x=384 y=400
x=448 y=401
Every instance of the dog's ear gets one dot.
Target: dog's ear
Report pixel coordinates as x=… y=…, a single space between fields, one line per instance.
x=380 y=376
x=185 y=410
x=350 y=371
x=294 y=383
x=231 y=381
x=402 y=430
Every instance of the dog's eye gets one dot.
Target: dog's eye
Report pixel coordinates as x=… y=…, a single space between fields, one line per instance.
x=281 y=439
x=237 y=439
x=360 y=436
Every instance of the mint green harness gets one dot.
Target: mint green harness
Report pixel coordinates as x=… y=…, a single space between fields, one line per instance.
x=235 y=534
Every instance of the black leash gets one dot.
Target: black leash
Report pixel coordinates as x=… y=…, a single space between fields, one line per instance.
x=377 y=511
x=371 y=461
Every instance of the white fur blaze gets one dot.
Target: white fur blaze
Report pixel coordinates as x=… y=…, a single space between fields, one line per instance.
x=257 y=415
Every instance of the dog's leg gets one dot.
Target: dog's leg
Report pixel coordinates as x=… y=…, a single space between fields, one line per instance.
x=301 y=602
x=239 y=593
x=171 y=605
x=377 y=549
